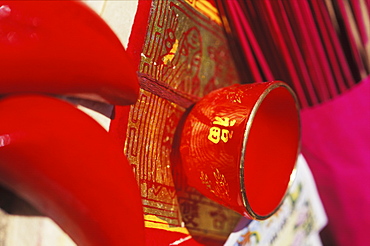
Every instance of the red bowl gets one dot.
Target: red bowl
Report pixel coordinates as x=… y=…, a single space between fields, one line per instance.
x=239 y=146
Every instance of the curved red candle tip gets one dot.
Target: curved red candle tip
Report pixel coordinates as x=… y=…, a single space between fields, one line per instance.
x=69 y=168
x=63 y=47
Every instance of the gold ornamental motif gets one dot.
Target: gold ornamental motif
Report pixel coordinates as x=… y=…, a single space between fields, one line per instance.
x=185 y=55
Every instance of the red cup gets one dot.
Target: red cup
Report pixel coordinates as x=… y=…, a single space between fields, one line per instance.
x=239 y=146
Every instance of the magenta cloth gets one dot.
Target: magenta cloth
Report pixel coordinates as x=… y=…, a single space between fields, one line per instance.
x=336 y=145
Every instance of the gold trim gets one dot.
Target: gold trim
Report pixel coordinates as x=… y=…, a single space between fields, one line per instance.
x=152 y=221
x=246 y=204
x=206 y=9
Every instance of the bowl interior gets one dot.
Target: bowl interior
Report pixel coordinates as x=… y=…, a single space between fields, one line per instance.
x=272 y=140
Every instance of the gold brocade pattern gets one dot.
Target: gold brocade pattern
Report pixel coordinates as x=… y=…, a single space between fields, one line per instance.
x=149 y=142
x=188 y=52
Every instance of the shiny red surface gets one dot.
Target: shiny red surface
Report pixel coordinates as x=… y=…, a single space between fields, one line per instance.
x=62 y=47
x=68 y=167
x=271 y=151
x=212 y=152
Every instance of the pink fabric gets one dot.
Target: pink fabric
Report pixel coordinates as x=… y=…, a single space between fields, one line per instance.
x=336 y=145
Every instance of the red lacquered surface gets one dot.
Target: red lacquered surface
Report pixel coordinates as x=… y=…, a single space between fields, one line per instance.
x=62 y=47
x=239 y=146
x=70 y=169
